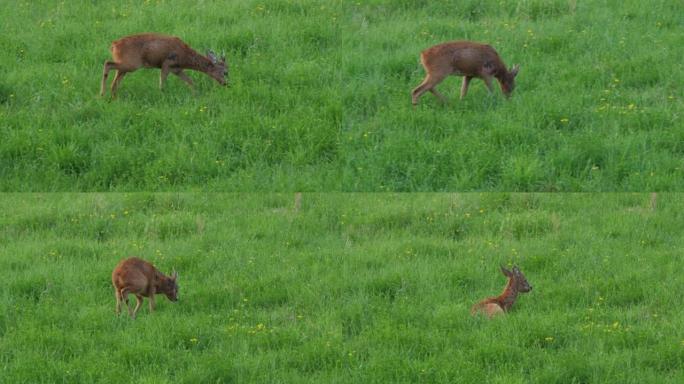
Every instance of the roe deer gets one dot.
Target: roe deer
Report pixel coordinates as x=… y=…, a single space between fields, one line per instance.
x=139 y=277
x=171 y=54
x=496 y=305
x=467 y=59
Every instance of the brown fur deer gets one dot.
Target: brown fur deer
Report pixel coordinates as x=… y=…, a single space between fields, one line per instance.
x=517 y=283
x=141 y=278
x=467 y=59
x=171 y=54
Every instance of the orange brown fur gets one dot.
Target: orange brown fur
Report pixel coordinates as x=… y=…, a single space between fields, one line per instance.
x=467 y=59
x=169 y=53
x=141 y=278
x=492 y=306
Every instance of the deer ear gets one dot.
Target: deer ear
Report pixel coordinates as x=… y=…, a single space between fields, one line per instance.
x=514 y=70
x=505 y=271
x=174 y=275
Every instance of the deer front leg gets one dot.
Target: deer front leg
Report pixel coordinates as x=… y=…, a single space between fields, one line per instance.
x=165 y=68
x=464 y=86
x=179 y=72
x=150 y=299
x=488 y=83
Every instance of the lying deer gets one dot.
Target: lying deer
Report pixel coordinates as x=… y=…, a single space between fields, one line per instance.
x=137 y=276
x=171 y=54
x=467 y=59
x=496 y=305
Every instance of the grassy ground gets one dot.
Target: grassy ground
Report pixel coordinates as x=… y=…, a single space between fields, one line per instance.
x=364 y=288
x=319 y=98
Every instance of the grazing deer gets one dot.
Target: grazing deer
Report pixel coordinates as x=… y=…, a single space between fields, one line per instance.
x=171 y=54
x=137 y=276
x=496 y=305
x=467 y=59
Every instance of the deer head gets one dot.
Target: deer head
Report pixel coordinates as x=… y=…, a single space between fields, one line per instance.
x=517 y=279
x=170 y=286
x=218 y=69
x=508 y=80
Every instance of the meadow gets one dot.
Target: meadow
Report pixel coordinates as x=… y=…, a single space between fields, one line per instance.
x=349 y=288
x=319 y=98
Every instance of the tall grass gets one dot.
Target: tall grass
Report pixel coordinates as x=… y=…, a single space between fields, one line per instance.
x=319 y=98
x=350 y=288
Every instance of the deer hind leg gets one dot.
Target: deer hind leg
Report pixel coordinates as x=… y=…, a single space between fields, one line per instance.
x=427 y=85
x=117 y=293
x=124 y=297
x=493 y=309
x=441 y=97
x=108 y=66
x=138 y=300
x=117 y=79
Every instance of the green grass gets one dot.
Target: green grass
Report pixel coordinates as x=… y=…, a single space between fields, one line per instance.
x=361 y=288
x=319 y=98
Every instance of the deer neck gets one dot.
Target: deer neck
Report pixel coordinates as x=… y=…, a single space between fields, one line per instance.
x=196 y=62
x=508 y=296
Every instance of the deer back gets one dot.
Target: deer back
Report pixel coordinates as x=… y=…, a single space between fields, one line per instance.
x=463 y=58
x=134 y=274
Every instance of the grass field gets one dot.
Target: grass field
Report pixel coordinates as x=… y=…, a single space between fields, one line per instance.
x=319 y=98
x=361 y=288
